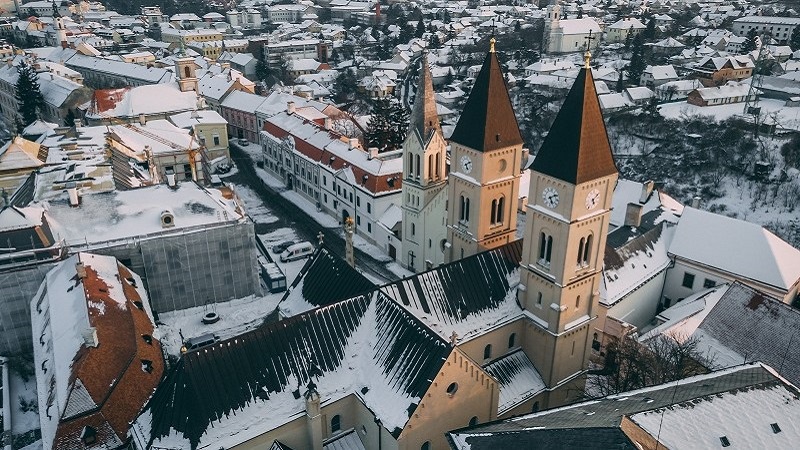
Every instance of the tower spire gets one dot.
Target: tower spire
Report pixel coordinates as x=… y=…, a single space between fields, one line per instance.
x=488 y=121
x=424 y=118
x=577 y=149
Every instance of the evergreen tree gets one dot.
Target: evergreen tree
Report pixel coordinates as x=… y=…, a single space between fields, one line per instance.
x=580 y=13
x=751 y=41
x=650 y=31
x=262 y=70
x=379 y=127
x=794 y=41
x=637 y=65
x=420 y=28
x=345 y=86
x=29 y=96
x=398 y=117
x=69 y=119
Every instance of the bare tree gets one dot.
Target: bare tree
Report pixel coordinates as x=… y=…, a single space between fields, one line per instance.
x=632 y=365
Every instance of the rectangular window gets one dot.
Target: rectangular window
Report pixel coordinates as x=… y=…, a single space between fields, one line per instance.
x=708 y=284
x=688 y=280
x=358 y=220
x=369 y=207
x=358 y=200
x=369 y=227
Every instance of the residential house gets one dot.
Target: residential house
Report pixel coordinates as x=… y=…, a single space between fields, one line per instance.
x=238 y=108
x=655 y=76
x=621 y=29
x=716 y=71
x=731 y=92
x=18 y=158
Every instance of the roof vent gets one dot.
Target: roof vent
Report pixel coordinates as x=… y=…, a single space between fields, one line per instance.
x=72 y=191
x=775 y=428
x=89 y=336
x=724 y=441
x=167 y=219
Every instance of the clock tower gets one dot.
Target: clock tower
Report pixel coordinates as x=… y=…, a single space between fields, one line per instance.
x=572 y=182
x=485 y=166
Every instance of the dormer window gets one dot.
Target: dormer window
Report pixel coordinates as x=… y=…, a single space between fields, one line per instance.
x=88 y=435
x=724 y=441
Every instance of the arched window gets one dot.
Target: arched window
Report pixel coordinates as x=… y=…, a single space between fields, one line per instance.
x=539 y=299
x=581 y=244
x=587 y=249
x=501 y=203
x=438 y=163
x=187 y=73
x=487 y=351
x=473 y=421
x=545 y=249
x=462 y=212
x=413 y=229
x=466 y=215
x=336 y=424
x=578 y=302
x=512 y=340
x=426 y=446
x=430 y=167
x=410 y=165
x=493 y=212
x=417 y=172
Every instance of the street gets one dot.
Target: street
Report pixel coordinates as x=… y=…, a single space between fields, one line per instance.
x=289 y=215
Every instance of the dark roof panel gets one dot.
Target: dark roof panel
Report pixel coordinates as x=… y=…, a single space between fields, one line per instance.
x=577 y=149
x=488 y=121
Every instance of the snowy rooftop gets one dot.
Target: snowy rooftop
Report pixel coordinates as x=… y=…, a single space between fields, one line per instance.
x=519 y=380
x=149 y=100
x=738 y=390
x=348 y=348
x=758 y=254
x=125 y=214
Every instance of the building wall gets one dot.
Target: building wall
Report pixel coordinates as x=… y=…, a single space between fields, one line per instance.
x=438 y=412
x=641 y=305
x=17 y=289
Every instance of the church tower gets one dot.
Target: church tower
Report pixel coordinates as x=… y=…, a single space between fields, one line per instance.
x=424 y=181
x=551 y=42
x=572 y=182
x=185 y=69
x=485 y=155
x=60 y=28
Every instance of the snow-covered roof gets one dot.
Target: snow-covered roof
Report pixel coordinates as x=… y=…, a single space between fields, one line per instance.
x=666 y=72
x=89 y=352
x=123 y=214
x=744 y=417
x=151 y=99
x=579 y=26
x=743 y=249
x=518 y=379
x=348 y=348
x=627 y=24
x=738 y=391
x=469 y=297
x=189 y=119
x=18 y=154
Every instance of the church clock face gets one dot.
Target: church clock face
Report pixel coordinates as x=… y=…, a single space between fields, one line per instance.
x=466 y=164
x=592 y=199
x=550 y=197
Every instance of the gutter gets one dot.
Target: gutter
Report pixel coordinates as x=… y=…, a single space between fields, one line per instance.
x=5 y=438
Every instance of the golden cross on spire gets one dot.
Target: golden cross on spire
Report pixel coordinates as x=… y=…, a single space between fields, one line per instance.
x=588 y=55
x=491 y=44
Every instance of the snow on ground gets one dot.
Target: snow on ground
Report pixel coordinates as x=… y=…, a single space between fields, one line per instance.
x=253 y=204
x=292 y=268
x=236 y=317
x=786 y=117
x=398 y=270
x=23 y=419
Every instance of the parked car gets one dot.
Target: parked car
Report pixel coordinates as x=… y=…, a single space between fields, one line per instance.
x=199 y=342
x=280 y=248
x=297 y=251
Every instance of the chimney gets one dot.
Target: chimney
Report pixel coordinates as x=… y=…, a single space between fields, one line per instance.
x=526 y=154
x=290 y=107
x=328 y=123
x=647 y=189
x=353 y=143
x=167 y=219
x=90 y=337
x=80 y=269
x=696 y=202
x=373 y=153
x=142 y=119
x=72 y=192
x=633 y=215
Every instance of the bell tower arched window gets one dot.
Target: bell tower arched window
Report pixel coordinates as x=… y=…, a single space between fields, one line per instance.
x=187 y=72
x=464 y=212
x=545 y=249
